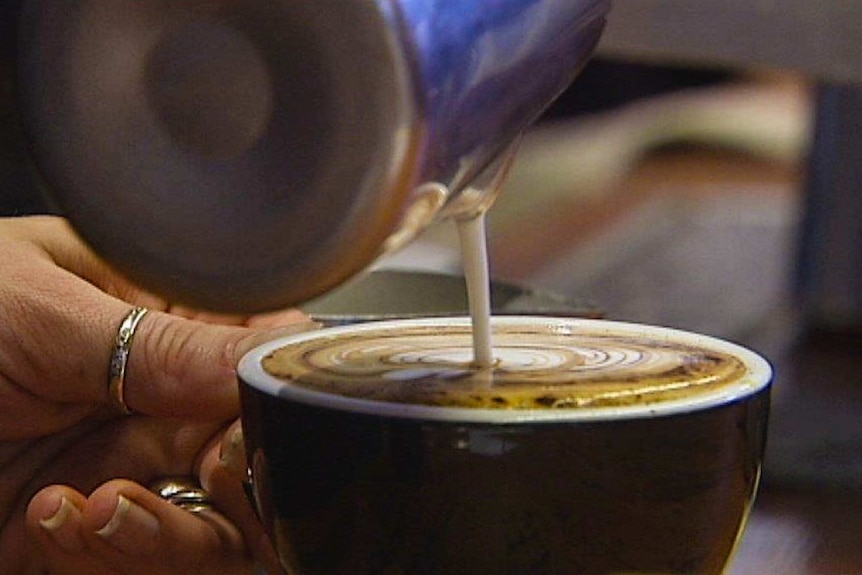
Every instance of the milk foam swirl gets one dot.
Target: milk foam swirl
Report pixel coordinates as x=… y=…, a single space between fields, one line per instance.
x=537 y=366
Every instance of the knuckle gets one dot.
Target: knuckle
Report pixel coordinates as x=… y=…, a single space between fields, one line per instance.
x=165 y=355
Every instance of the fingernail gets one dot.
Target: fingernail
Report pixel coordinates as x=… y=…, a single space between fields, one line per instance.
x=251 y=342
x=131 y=529
x=232 y=456
x=63 y=526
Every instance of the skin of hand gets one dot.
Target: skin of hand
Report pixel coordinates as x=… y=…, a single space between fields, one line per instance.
x=73 y=471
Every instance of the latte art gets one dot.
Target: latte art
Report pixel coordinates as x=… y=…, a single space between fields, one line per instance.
x=537 y=366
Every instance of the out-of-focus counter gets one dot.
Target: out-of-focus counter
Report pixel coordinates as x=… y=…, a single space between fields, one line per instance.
x=821 y=38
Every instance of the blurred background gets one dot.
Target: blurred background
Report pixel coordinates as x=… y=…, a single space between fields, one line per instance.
x=704 y=172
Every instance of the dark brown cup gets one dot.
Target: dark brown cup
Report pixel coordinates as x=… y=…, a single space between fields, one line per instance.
x=345 y=485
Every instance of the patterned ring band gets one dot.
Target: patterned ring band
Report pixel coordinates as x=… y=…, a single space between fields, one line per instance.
x=184 y=493
x=120 y=357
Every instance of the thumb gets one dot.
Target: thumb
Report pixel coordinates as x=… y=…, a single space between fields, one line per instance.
x=183 y=368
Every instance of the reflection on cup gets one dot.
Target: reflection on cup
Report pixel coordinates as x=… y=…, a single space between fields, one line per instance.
x=590 y=447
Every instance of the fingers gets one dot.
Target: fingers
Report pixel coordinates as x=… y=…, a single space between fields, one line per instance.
x=137 y=447
x=123 y=519
x=57 y=511
x=184 y=368
x=222 y=472
x=59 y=316
x=62 y=521
x=54 y=523
x=124 y=528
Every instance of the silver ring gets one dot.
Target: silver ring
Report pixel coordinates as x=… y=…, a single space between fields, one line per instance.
x=120 y=357
x=184 y=493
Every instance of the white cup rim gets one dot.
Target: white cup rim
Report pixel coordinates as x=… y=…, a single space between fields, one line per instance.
x=757 y=377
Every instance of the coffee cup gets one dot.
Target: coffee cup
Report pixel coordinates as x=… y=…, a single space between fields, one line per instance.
x=590 y=446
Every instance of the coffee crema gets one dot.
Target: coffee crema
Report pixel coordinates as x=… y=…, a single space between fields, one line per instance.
x=539 y=365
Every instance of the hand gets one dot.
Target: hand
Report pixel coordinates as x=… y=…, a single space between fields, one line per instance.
x=145 y=534
x=63 y=446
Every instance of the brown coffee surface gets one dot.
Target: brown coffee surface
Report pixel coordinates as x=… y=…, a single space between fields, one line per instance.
x=537 y=366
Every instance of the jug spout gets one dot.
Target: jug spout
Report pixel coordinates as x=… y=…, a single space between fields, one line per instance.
x=487 y=70
x=244 y=156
